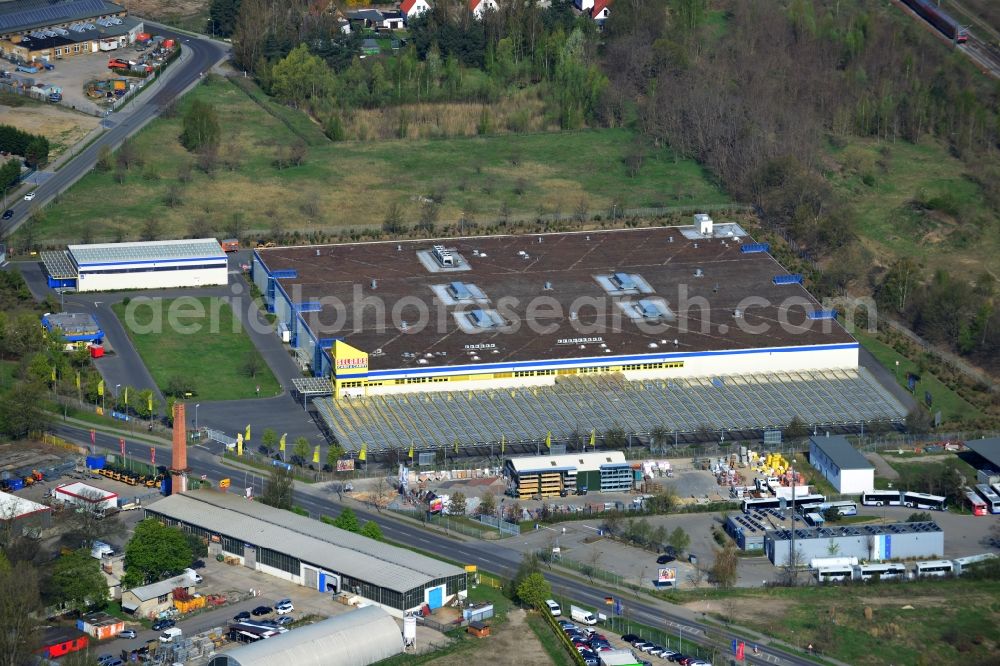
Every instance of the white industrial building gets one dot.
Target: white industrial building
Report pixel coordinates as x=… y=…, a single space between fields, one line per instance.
x=311 y=553
x=357 y=638
x=874 y=543
x=842 y=465
x=17 y=512
x=85 y=495
x=140 y=265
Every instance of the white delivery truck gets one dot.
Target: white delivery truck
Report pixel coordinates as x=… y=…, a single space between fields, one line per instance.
x=582 y=616
x=170 y=634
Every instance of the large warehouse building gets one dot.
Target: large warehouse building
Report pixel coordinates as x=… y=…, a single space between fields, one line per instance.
x=506 y=311
x=357 y=638
x=508 y=337
x=311 y=553
x=896 y=541
x=139 y=265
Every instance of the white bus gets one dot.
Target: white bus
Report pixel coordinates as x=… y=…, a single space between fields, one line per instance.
x=962 y=563
x=933 y=568
x=834 y=574
x=882 y=498
x=991 y=498
x=802 y=502
x=924 y=501
x=867 y=572
x=844 y=508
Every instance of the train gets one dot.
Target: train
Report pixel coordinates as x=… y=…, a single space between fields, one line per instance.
x=930 y=12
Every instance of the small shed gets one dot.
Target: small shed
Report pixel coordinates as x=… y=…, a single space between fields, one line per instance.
x=151 y=600
x=100 y=625
x=479 y=629
x=59 y=641
x=370 y=47
x=477 y=612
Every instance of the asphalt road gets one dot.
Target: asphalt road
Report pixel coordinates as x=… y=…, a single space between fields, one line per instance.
x=201 y=55
x=491 y=556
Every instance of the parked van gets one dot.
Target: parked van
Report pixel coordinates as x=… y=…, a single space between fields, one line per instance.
x=582 y=616
x=170 y=634
x=553 y=607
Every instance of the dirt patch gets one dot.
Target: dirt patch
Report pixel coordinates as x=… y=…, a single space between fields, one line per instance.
x=161 y=10
x=743 y=610
x=61 y=127
x=513 y=639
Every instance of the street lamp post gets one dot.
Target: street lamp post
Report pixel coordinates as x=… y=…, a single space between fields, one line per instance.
x=791 y=555
x=117 y=386
x=196 y=406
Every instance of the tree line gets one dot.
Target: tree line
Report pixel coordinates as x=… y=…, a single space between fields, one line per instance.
x=760 y=101
x=32 y=147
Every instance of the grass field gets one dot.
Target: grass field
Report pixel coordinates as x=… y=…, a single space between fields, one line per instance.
x=881 y=181
x=954 y=408
x=352 y=184
x=212 y=361
x=927 y=622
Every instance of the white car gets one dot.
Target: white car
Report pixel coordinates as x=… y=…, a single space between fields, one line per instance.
x=29 y=196
x=284 y=609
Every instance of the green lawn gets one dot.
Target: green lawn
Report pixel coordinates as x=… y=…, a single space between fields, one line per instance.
x=212 y=358
x=954 y=408
x=881 y=181
x=350 y=185
x=550 y=641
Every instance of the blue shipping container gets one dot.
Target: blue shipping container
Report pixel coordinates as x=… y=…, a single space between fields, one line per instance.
x=95 y=462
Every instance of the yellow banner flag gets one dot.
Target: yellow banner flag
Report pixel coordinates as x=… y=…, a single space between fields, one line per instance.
x=100 y=388
x=281 y=442
x=53 y=374
x=593 y=439
x=246 y=436
x=548 y=439
x=456 y=446
x=411 y=450
x=363 y=454
x=239 y=444
x=149 y=404
x=126 y=395
x=503 y=443
x=316 y=454
x=77 y=381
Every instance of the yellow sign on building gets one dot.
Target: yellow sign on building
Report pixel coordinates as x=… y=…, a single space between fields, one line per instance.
x=348 y=361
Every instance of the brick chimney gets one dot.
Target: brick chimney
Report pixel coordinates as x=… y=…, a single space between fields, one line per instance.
x=178 y=467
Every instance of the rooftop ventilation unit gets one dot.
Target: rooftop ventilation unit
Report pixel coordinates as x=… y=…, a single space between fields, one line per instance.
x=115 y=20
x=548 y=286
x=793 y=278
x=443 y=256
x=374 y=283
x=699 y=273
x=649 y=310
x=704 y=224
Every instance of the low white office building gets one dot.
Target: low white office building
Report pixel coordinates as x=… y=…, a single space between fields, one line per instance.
x=841 y=464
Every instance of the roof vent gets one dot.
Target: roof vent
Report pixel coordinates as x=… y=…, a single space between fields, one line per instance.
x=475 y=253
x=653 y=345
x=698 y=272
x=422 y=361
x=374 y=283
x=572 y=315
x=317 y=253
x=548 y=286
x=404 y=325
x=539 y=239
x=482 y=254
x=588 y=237
x=428 y=355
x=475 y=357
x=399 y=248
x=670 y=239
x=675 y=342
x=696 y=246
x=738 y=314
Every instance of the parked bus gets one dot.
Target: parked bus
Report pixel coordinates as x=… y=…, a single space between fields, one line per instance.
x=991 y=498
x=963 y=563
x=834 y=574
x=844 y=508
x=880 y=572
x=976 y=503
x=760 y=503
x=933 y=568
x=924 y=501
x=882 y=498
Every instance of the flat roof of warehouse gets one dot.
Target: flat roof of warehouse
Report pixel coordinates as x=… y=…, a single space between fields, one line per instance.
x=667 y=268
x=29 y=14
x=856 y=530
x=838 y=449
x=306 y=539
x=146 y=252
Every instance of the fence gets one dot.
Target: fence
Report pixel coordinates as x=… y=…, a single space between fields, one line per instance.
x=464 y=526
x=505 y=528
